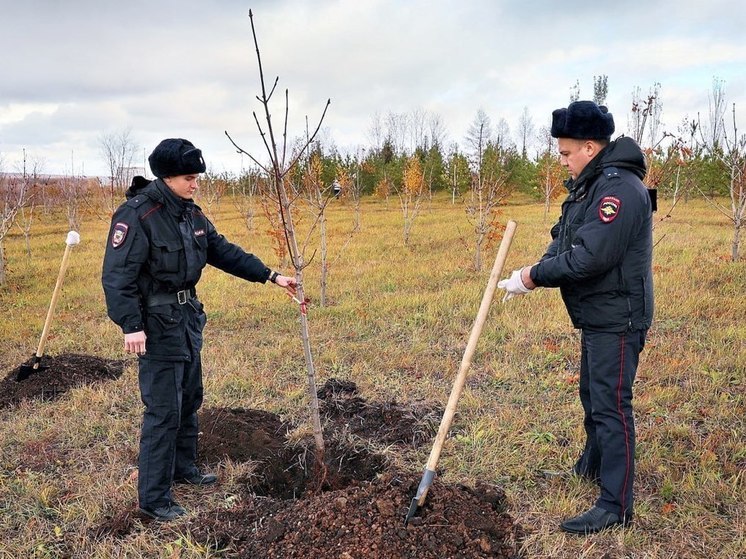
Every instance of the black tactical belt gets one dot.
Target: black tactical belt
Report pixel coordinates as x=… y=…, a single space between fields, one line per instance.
x=181 y=297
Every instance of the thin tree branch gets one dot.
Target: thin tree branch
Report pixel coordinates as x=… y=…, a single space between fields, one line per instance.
x=264 y=138
x=285 y=128
x=714 y=204
x=313 y=136
x=241 y=150
x=319 y=210
x=274 y=85
x=265 y=99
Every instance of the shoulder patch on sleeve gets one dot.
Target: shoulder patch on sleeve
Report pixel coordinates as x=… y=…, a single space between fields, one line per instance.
x=609 y=208
x=118 y=234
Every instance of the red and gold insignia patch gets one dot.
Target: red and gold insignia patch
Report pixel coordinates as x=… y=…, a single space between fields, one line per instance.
x=119 y=234
x=609 y=209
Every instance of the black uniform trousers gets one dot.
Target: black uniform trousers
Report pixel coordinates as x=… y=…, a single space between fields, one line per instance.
x=172 y=392
x=608 y=366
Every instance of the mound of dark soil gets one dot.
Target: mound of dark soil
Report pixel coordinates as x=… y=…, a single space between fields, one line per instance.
x=367 y=520
x=283 y=470
x=62 y=373
x=286 y=508
x=386 y=423
x=240 y=435
x=359 y=509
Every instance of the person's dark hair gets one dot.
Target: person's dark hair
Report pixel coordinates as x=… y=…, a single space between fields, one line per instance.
x=583 y=120
x=176 y=156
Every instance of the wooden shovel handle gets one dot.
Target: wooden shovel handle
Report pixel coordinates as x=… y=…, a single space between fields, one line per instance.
x=53 y=303
x=476 y=331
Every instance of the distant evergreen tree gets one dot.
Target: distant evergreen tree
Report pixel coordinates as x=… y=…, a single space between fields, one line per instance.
x=600 y=89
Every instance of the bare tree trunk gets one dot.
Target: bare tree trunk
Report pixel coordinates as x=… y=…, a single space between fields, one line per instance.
x=14 y=199
x=324 y=263
x=411 y=194
x=737 y=186
x=118 y=149
x=358 y=223
x=244 y=189
x=299 y=265
x=737 y=200
x=407 y=226
x=278 y=170
x=2 y=264
x=478 y=253
x=736 y=242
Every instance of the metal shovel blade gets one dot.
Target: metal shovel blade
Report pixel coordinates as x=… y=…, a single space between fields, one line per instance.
x=25 y=371
x=419 y=498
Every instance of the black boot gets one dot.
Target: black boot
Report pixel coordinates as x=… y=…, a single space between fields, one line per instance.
x=588 y=465
x=168 y=512
x=197 y=478
x=594 y=520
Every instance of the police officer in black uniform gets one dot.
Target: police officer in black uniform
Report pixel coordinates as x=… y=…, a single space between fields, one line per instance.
x=158 y=244
x=601 y=259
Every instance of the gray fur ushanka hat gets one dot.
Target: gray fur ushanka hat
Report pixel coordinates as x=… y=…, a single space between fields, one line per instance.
x=176 y=156
x=583 y=120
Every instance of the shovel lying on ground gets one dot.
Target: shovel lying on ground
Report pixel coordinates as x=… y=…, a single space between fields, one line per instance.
x=458 y=383
x=73 y=238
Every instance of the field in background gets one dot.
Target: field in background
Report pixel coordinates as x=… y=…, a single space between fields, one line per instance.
x=397 y=325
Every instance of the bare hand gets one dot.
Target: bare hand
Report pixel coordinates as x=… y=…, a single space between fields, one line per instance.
x=288 y=282
x=135 y=342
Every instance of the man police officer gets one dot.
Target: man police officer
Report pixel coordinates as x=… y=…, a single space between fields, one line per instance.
x=158 y=244
x=601 y=259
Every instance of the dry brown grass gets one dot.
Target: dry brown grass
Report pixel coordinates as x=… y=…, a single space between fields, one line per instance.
x=397 y=326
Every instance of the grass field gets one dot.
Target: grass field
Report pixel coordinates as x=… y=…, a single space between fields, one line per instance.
x=397 y=325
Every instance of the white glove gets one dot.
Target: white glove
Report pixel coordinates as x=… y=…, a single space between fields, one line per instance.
x=513 y=286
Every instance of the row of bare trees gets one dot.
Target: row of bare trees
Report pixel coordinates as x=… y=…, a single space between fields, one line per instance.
x=704 y=156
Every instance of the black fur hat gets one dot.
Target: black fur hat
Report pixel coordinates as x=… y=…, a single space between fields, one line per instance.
x=583 y=120
x=175 y=156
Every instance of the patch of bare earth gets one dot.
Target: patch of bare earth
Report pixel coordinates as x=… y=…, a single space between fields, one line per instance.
x=57 y=375
x=284 y=508
x=359 y=510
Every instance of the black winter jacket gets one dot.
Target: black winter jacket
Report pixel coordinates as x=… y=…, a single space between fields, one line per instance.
x=601 y=253
x=158 y=244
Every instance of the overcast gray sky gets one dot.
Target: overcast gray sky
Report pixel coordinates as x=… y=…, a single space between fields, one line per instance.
x=74 y=70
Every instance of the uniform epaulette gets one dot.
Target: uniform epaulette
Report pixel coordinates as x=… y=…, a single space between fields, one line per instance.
x=611 y=172
x=138 y=201
x=143 y=205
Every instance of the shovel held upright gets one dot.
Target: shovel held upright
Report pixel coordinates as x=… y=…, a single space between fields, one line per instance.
x=458 y=383
x=73 y=238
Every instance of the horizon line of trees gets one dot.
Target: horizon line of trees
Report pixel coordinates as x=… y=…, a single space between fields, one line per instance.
x=408 y=158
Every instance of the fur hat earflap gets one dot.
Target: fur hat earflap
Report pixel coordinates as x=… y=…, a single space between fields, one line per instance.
x=174 y=157
x=583 y=120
